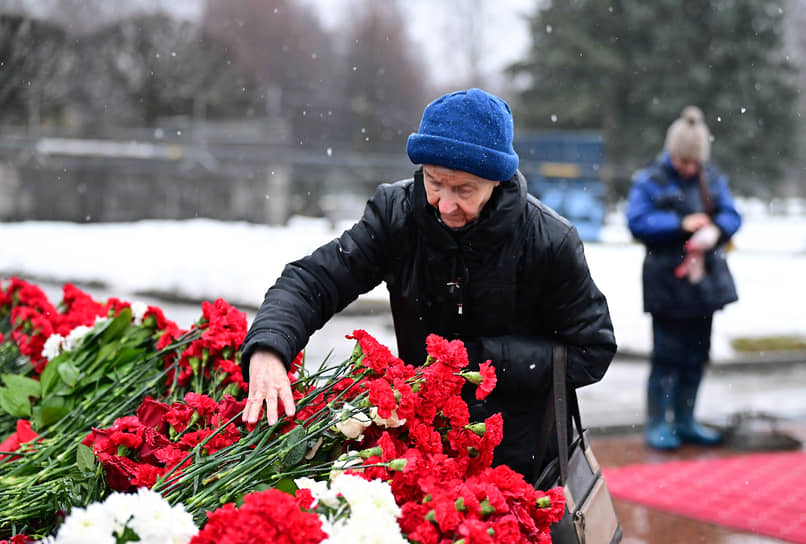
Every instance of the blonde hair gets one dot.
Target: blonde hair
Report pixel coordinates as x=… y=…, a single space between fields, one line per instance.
x=688 y=137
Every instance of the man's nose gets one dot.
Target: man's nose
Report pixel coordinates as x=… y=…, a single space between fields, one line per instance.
x=447 y=203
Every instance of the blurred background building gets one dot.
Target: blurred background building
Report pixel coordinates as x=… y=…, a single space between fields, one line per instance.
x=258 y=110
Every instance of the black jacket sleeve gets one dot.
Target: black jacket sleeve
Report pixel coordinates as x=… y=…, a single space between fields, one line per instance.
x=576 y=314
x=312 y=289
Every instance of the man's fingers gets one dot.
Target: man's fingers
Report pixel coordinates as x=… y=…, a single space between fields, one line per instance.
x=271 y=407
x=288 y=400
x=252 y=409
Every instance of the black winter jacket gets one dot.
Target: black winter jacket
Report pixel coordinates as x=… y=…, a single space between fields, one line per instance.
x=508 y=285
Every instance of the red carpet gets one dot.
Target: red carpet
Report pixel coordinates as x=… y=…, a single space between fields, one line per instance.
x=761 y=493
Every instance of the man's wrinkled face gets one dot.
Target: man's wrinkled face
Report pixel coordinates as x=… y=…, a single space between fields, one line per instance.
x=686 y=167
x=458 y=196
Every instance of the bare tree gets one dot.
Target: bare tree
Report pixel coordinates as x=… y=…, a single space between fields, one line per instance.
x=290 y=55
x=78 y=17
x=33 y=63
x=385 y=82
x=467 y=30
x=145 y=67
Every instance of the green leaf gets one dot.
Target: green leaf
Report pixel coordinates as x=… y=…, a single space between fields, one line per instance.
x=85 y=460
x=117 y=326
x=50 y=376
x=128 y=355
x=128 y=536
x=28 y=386
x=105 y=351
x=297 y=437
x=286 y=485
x=49 y=411
x=15 y=402
x=69 y=373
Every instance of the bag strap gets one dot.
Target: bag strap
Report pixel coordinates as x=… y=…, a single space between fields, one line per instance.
x=557 y=409
x=544 y=434
x=560 y=363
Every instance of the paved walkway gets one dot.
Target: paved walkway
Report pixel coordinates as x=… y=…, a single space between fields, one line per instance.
x=618 y=401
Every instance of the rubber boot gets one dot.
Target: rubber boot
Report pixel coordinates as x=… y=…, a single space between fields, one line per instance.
x=659 y=432
x=688 y=430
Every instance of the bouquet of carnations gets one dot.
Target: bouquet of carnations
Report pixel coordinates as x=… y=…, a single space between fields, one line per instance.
x=378 y=451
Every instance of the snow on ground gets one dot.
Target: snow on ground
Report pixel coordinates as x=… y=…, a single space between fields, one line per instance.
x=206 y=259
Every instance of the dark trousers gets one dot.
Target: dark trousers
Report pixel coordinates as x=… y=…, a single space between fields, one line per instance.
x=681 y=349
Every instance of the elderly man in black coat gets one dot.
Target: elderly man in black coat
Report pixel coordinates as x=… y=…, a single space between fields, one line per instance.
x=466 y=254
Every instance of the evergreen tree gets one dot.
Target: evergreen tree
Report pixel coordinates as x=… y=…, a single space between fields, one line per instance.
x=628 y=67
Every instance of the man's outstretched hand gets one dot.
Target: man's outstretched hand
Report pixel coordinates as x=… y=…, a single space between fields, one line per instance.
x=268 y=382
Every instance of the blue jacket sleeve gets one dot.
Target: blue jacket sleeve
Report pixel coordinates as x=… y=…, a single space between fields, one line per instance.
x=726 y=217
x=646 y=222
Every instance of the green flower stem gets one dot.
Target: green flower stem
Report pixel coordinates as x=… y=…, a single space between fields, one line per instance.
x=249 y=466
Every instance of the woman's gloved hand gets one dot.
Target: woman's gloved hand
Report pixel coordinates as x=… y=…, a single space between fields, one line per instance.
x=693 y=266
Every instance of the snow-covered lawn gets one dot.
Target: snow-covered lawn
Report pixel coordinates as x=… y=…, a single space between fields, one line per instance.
x=205 y=259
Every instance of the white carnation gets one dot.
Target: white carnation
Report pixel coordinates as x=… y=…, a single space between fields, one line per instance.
x=149 y=515
x=53 y=346
x=183 y=528
x=371 y=531
x=139 y=310
x=373 y=512
x=74 y=337
x=371 y=498
x=157 y=522
x=92 y=524
x=353 y=422
x=390 y=423
x=121 y=508
x=320 y=491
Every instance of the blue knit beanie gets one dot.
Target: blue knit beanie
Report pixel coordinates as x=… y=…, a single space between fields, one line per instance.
x=467 y=130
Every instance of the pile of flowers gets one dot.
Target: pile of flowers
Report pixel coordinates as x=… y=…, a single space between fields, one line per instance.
x=378 y=451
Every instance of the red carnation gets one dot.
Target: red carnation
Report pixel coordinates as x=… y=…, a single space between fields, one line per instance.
x=266 y=516
x=18 y=539
x=382 y=396
x=23 y=434
x=179 y=416
x=151 y=413
x=475 y=530
x=203 y=404
x=229 y=408
x=488 y=380
x=120 y=471
x=100 y=442
x=147 y=475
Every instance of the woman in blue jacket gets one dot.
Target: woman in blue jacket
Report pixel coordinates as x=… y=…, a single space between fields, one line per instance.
x=680 y=208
